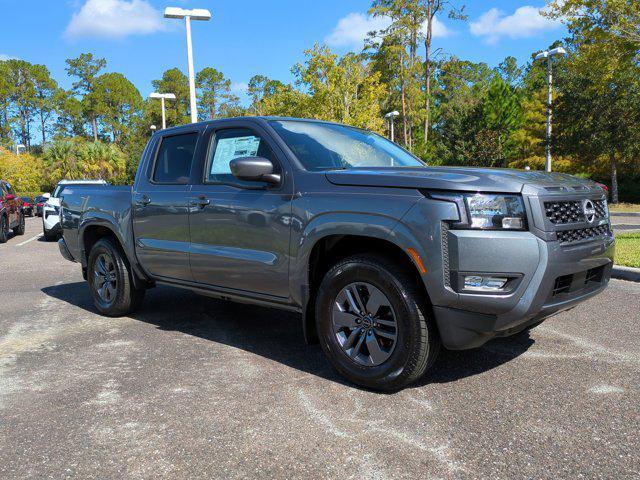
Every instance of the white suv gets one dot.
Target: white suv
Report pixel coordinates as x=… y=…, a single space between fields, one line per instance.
x=51 y=209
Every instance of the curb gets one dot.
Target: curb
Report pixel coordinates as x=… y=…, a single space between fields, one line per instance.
x=626 y=273
x=624 y=214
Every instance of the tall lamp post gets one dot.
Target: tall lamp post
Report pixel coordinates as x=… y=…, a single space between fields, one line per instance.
x=188 y=15
x=163 y=97
x=390 y=117
x=549 y=54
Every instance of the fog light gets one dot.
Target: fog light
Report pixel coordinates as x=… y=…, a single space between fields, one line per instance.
x=513 y=223
x=481 y=283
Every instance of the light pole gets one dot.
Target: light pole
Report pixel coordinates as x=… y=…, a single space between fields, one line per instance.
x=548 y=54
x=390 y=117
x=188 y=15
x=163 y=97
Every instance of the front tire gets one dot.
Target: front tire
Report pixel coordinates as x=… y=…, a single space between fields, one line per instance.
x=110 y=280
x=374 y=324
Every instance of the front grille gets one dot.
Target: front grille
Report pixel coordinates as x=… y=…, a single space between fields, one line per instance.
x=563 y=212
x=570 y=236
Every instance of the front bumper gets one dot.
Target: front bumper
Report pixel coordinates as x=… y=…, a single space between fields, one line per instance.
x=563 y=277
x=64 y=250
x=51 y=222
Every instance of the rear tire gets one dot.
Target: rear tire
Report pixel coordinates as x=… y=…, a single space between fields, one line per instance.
x=110 y=280
x=19 y=230
x=4 y=229
x=350 y=292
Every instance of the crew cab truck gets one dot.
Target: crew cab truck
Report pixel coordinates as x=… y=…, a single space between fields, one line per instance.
x=386 y=258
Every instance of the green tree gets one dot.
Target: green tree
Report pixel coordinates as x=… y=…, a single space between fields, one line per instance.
x=598 y=105
x=502 y=112
x=24 y=172
x=86 y=69
x=69 y=115
x=341 y=89
x=260 y=87
x=117 y=101
x=78 y=158
x=22 y=97
x=176 y=82
x=6 y=91
x=215 y=92
x=45 y=97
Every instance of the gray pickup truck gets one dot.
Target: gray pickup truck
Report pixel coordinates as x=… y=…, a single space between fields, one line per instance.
x=386 y=258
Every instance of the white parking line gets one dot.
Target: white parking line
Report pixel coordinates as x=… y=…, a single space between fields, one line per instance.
x=30 y=240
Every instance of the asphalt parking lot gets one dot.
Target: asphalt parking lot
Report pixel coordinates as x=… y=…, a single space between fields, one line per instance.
x=192 y=387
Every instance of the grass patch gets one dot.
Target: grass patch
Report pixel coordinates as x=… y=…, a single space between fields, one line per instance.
x=624 y=207
x=628 y=249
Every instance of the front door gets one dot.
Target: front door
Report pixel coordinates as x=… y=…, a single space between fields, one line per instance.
x=160 y=207
x=240 y=230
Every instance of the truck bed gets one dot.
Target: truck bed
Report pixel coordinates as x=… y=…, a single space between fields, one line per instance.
x=107 y=201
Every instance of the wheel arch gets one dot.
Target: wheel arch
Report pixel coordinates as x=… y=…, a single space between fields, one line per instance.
x=332 y=247
x=95 y=228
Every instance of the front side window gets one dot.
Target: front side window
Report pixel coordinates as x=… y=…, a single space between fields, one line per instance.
x=235 y=143
x=175 y=155
x=327 y=146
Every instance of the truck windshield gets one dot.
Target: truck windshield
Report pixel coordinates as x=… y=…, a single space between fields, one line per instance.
x=327 y=146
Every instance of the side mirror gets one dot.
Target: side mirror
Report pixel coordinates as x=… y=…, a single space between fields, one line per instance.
x=254 y=169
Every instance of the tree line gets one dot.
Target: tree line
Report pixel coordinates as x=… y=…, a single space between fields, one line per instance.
x=452 y=111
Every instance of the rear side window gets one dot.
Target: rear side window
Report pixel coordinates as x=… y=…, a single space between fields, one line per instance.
x=175 y=155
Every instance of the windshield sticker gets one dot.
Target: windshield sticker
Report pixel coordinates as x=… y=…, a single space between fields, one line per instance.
x=229 y=148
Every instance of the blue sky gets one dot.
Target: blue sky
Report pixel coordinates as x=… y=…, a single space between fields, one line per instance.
x=244 y=37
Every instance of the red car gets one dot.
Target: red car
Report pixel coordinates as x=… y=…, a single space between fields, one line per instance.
x=11 y=215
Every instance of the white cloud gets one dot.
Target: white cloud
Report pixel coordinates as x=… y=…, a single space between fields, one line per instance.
x=114 y=19
x=4 y=57
x=352 y=29
x=524 y=22
x=239 y=87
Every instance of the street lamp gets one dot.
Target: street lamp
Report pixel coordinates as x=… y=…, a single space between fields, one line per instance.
x=188 y=15
x=163 y=97
x=390 y=117
x=549 y=54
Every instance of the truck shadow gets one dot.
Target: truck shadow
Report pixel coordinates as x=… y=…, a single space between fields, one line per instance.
x=277 y=335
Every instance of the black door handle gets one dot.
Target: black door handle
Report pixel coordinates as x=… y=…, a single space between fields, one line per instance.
x=201 y=201
x=143 y=201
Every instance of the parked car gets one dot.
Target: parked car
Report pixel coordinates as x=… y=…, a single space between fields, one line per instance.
x=11 y=216
x=386 y=258
x=28 y=206
x=51 y=208
x=40 y=201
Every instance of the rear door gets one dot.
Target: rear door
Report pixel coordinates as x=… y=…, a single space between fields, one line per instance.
x=240 y=230
x=160 y=206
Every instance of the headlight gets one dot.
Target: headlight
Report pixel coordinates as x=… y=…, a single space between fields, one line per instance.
x=487 y=211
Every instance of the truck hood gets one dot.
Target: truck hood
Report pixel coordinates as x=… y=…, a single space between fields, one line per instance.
x=459 y=179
